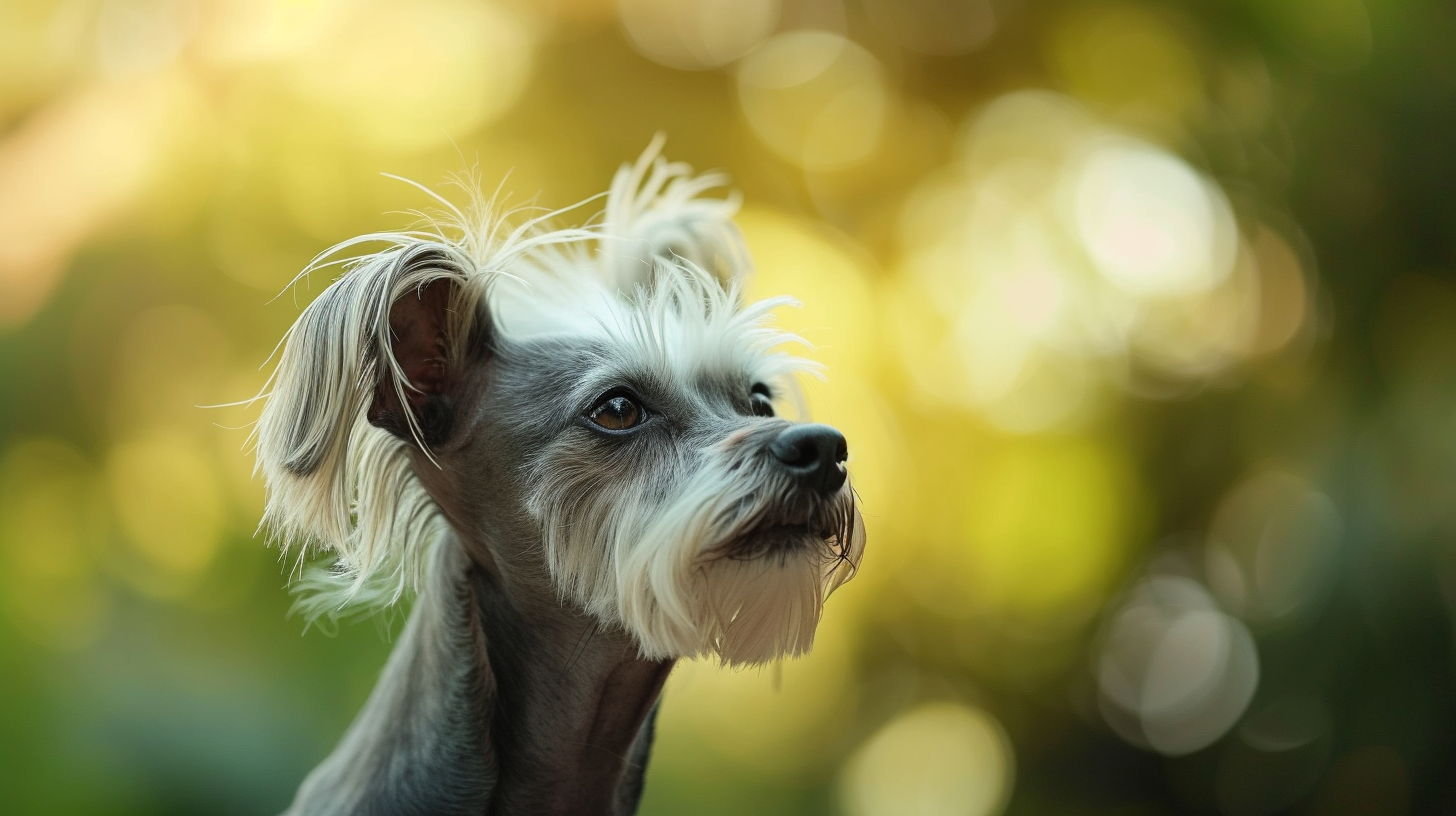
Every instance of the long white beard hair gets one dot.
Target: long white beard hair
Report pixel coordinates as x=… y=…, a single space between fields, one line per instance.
x=677 y=567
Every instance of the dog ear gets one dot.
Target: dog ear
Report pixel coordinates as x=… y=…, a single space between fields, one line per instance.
x=379 y=343
x=416 y=387
x=379 y=348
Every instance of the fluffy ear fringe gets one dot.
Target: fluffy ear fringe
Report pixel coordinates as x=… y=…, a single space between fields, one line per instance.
x=334 y=481
x=337 y=484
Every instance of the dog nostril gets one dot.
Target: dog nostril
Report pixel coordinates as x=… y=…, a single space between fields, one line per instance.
x=814 y=453
x=795 y=451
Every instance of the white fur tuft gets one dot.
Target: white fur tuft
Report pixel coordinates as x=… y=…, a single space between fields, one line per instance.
x=655 y=209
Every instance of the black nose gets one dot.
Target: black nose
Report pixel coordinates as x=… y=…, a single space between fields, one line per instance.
x=813 y=453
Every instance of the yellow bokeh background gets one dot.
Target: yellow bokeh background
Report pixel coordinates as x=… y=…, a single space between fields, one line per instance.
x=1137 y=317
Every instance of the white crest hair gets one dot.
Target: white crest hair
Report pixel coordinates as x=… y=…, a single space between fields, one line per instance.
x=337 y=484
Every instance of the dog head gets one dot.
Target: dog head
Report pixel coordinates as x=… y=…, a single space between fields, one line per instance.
x=593 y=408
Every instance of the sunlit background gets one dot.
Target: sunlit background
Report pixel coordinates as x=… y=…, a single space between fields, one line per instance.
x=1140 y=319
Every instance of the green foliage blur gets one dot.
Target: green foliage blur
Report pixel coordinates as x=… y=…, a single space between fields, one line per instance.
x=1140 y=318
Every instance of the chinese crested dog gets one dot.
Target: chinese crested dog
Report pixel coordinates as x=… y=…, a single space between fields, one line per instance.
x=562 y=443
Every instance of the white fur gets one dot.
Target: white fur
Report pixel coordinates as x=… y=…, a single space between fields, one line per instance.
x=662 y=289
x=654 y=578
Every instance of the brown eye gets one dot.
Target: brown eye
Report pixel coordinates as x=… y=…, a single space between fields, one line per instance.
x=761 y=401
x=616 y=413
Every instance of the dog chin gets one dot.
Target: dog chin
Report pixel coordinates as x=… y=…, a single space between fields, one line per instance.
x=765 y=593
x=749 y=595
x=767 y=606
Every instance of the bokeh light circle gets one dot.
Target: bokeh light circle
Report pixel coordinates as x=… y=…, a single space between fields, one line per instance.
x=1174 y=672
x=51 y=532
x=816 y=99
x=410 y=77
x=1151 y=224
x=169 y=502
x=696 y=34
x=1060 y=258
x=941 y=759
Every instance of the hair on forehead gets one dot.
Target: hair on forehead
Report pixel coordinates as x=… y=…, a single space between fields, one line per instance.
x=656 y=276
x=681 y=326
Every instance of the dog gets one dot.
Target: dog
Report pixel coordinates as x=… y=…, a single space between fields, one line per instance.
x=562 y=443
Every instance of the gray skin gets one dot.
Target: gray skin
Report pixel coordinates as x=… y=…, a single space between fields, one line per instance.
x=500 y=697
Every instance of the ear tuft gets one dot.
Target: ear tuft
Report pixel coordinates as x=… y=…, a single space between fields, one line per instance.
x=419 y=326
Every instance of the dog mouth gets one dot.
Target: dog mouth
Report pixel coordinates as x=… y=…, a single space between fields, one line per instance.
x=780 y=536
x=785 y=530
x=792 y=526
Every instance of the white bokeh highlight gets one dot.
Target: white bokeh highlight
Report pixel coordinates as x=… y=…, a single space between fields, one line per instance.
x=1152 y=226
x=1068 y=260
x=1174 y=672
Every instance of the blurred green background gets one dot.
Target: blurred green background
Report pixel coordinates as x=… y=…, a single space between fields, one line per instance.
x=1140 y=318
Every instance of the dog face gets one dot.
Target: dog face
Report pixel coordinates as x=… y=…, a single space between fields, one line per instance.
x=669 y=498
x=617 y=408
